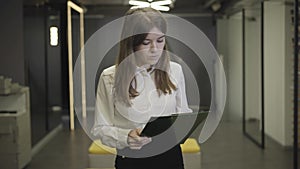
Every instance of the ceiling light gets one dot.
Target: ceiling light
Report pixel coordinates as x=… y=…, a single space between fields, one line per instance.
x=139 y=3
x=53 y=36
x=160 y=8
x=216 y=6
x=158 y=5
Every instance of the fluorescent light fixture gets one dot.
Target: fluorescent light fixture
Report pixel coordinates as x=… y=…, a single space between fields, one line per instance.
x=160 y=8
x=158 y=5
x=53 y=36
x=139 y=3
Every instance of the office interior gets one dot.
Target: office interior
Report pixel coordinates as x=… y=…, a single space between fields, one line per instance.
x=255 y=41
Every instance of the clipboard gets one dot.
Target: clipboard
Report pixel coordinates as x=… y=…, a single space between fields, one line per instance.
x=180 y=124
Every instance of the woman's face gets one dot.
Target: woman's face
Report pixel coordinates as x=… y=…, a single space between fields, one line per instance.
x=149 y=52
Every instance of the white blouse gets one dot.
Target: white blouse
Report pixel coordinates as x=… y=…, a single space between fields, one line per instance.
x=114 y=120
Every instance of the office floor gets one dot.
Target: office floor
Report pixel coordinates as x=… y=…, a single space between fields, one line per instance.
x=226 y=149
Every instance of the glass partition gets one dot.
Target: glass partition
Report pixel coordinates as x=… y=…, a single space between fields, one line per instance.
x=253 y=80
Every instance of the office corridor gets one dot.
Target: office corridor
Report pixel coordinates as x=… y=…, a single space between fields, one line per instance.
x=228 y=148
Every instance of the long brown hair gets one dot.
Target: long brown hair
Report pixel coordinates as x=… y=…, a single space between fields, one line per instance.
x=138 y=22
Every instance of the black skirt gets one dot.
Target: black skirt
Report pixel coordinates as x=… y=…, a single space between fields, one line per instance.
x=171 y=159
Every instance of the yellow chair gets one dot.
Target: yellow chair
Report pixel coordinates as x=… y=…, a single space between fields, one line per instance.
x=102 y=157
x=191 y=154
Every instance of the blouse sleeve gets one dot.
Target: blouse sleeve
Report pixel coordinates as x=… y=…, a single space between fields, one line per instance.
x=181 y=99
x=104 y=126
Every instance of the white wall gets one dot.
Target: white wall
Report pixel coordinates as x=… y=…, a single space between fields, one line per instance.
x=288 y=132
x=278 y=66
x=229 y=44
x=278 y=116
x=253 y=64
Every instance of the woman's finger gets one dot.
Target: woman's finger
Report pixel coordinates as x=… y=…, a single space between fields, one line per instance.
x=136 y=147
x=145 y=140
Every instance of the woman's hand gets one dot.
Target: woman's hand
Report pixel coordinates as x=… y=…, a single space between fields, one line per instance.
x=135 y=141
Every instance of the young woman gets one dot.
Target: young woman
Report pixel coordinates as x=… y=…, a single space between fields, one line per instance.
x=143 y=83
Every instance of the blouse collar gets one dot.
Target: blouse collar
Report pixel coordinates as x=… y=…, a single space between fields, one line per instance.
x=142 y=70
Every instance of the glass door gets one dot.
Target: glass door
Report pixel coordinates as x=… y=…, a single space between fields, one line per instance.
x=253 y=71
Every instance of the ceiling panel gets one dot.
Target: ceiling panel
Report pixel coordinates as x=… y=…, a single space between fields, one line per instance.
x=104 y=2
x=180 y=6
